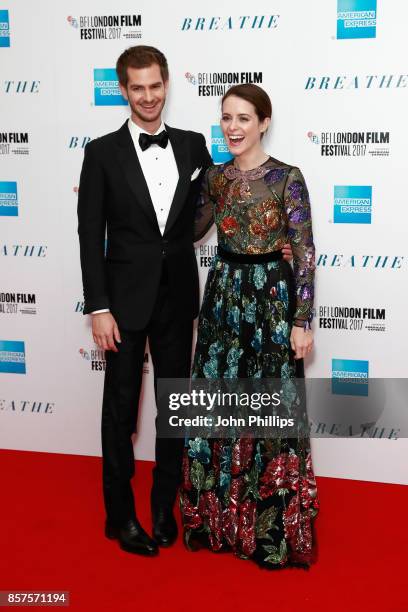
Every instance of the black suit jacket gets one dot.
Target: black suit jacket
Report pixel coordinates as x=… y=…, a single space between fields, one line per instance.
x=114 y=197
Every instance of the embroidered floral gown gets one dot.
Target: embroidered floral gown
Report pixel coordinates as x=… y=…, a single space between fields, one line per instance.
x=255 y=497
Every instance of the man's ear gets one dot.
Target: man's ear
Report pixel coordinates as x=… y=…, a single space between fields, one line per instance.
x=166 y=86
x=123 y=91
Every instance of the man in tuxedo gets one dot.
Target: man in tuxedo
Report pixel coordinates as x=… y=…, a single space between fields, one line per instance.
x=140 y=184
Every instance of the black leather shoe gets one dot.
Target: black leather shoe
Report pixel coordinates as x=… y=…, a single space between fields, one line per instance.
x=164 y=527
x=132 y=538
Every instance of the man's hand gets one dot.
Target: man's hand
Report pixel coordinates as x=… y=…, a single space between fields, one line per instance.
x=105 y=331
x=301 y=341
x=287 y=252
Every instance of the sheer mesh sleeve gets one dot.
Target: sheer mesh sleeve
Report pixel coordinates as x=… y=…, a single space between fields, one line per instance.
x=300 y=235
x=204 y=217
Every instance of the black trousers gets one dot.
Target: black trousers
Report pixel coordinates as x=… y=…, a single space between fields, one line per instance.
x=170 y=342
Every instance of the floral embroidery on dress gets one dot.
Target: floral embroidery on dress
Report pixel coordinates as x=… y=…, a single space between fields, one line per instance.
x=255 y=497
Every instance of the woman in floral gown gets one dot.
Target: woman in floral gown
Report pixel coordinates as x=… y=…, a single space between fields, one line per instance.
x=254 y=497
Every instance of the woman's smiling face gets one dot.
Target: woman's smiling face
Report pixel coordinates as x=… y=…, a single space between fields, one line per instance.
x=241 y=126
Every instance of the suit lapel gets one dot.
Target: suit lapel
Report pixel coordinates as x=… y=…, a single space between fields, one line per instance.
x=132 y=169
x=181 y=153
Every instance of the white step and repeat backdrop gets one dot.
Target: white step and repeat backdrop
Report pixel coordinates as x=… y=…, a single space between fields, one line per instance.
x=336 y=74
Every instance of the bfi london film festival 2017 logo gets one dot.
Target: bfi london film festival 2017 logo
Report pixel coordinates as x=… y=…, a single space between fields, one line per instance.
x=107 y=27
x=14 y=143
x=96 y=357
x=217 y=83
x=15 y=303
x=352 y=319
x=351 y=144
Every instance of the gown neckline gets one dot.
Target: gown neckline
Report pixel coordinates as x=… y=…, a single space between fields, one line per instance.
x=251 y=169
x=232 y=172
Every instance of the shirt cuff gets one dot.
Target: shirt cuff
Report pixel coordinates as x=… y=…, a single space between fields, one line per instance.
x=99 y=311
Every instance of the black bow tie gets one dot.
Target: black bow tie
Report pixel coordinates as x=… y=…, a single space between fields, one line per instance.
x=145 y=140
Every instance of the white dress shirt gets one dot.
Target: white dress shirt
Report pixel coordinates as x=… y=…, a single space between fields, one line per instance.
x=160 y=171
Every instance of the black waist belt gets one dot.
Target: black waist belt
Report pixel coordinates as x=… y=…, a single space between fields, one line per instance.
x=249 y=259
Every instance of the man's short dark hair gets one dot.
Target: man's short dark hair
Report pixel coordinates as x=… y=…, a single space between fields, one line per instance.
x=140 y=56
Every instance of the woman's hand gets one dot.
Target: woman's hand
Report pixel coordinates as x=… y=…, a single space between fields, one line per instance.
x=301 y=341
x=287 y=252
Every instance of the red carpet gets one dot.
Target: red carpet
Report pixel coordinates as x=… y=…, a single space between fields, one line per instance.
x=52 y=539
